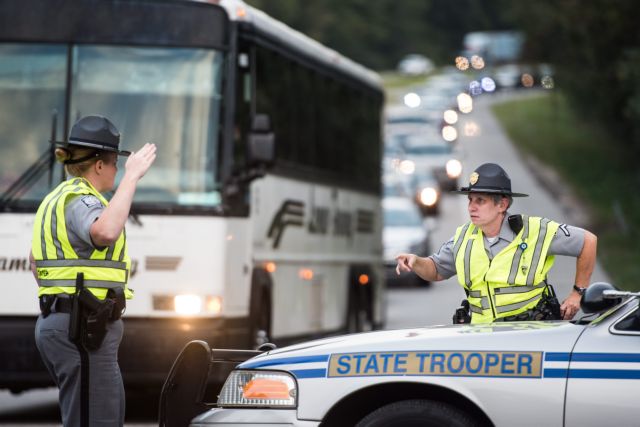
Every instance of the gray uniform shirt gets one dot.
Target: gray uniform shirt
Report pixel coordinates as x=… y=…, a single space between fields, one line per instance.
x=80 y=213
x=568 y=241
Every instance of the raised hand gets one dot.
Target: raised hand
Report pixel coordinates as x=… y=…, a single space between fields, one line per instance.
x=140 y=161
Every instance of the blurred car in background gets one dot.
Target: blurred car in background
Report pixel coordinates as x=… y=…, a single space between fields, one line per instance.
x=415 y=65
x=507 y=76
x=396 y=185
x=426 y=192
x=404 y=120
x=403 y=231
x=431 y=152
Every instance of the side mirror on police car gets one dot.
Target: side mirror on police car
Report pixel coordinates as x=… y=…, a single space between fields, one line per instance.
x=261 y=141
x=599 y=297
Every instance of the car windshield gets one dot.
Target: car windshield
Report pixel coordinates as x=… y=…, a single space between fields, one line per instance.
x=395 y=217
x=395 y=189
x=428 y=149
x=167 y=96
x=407 y=119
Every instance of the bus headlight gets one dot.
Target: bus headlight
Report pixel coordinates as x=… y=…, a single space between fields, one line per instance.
x=454 y=168
x=259 y=389
x=187 y=304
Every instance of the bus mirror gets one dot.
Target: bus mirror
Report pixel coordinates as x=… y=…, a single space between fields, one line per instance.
x=261 y=143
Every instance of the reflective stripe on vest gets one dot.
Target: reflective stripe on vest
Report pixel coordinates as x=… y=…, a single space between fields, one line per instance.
x=57 y=263
x=513 y=281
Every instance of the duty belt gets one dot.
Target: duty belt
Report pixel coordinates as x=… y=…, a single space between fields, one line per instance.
x=55 y=304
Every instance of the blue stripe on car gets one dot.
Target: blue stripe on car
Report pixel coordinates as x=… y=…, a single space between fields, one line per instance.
x=606 y=357
x=592 y=357
x=556 y=357
x=284 y=361
x=600 y=374
x=309 y=373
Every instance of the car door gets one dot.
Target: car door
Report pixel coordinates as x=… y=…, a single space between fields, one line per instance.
x=604 y=373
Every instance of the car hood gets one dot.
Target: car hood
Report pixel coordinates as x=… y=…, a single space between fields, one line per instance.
x=538 y=337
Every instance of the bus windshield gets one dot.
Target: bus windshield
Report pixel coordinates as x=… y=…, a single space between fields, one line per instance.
x=168 y=96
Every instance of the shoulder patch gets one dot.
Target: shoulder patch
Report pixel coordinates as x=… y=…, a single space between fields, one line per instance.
x=90 y=201
x=564 y=229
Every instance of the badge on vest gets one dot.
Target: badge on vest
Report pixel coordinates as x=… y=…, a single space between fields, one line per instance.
x=523 y=246
x=90 y=201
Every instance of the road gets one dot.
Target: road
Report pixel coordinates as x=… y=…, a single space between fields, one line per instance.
x=406 y=307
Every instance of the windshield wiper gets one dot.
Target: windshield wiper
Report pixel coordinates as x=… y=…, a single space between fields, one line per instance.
x=33 y=173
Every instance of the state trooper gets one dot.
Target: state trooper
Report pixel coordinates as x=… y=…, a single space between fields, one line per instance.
x=502 y=260
x=80 y=261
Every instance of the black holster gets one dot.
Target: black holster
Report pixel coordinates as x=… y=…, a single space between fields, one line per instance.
x=98 y=314
x=90 y=315
x=462 y=313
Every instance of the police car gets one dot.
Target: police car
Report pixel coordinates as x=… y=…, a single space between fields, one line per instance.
x=580 y=373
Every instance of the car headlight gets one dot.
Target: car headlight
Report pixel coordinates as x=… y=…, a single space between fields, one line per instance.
x=428 y=196
x=271 y=389
x=454 y=168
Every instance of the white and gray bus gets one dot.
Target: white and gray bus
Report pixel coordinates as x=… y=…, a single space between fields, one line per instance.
x=260 y=219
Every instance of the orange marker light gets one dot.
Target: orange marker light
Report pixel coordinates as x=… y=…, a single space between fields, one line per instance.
x=306 y=274
x=270 y=267
x=264 y=388
x=363 y=279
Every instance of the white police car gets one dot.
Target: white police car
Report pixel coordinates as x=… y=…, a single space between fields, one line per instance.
x=584 y=373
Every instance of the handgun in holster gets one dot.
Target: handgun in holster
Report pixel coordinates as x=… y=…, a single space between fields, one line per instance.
x=549 y=307
x=98 y=314
x=89 y=317
x=462 y=313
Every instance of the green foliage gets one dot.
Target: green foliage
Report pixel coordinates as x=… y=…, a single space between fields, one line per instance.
x=595 y=47
x=379 y=33
x=598 y=168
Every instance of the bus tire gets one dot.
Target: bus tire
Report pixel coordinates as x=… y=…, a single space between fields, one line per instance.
x=417 y=413
x=260 y=308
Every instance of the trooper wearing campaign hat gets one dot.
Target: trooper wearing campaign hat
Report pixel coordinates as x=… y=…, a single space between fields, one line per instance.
x=502 y=260
x=491 y=179
x=82 y=271
x=96 y=132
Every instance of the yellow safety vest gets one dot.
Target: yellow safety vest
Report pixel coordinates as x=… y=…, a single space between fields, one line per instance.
x=514 y=280
x=58 y=264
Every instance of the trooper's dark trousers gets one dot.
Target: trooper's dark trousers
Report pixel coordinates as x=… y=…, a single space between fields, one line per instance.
x=63 y=360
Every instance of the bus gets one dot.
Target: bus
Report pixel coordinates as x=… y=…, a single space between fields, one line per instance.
x=260 y=219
